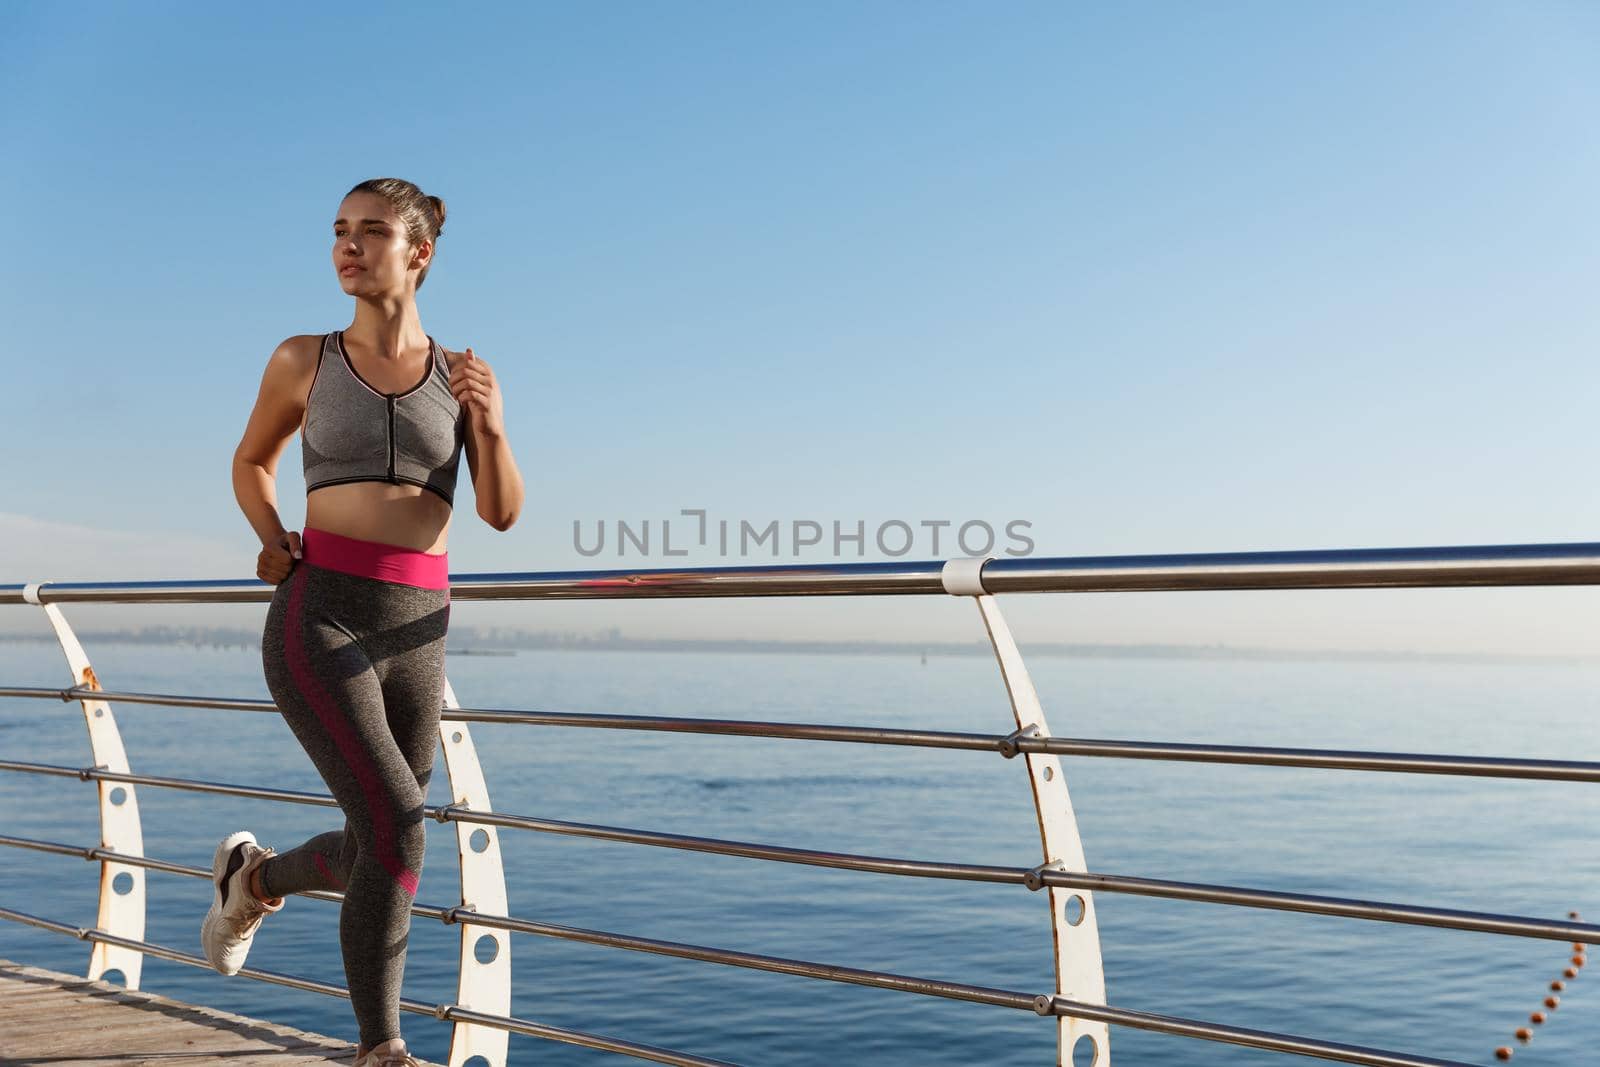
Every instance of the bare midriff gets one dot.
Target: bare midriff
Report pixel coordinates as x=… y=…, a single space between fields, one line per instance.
x=405 y=515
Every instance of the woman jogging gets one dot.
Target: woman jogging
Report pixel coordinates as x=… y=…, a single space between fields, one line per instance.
x=354 y=641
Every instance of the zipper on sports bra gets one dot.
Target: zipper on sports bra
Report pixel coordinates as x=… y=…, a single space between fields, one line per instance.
x=391 y=438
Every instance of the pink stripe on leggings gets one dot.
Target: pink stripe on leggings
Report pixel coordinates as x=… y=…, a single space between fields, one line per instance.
x=327 y=872
x=375 y=559
x=366 y=772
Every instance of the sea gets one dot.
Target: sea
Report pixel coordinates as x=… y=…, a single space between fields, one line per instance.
x=1526 y=848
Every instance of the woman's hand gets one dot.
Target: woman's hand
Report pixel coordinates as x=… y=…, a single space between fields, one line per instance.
x=475 y=389
x=277 y=559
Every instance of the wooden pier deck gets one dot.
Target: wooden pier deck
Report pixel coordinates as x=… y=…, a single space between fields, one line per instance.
x=63 y=1020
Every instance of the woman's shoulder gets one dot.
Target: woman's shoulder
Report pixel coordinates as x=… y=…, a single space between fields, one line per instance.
x=452 y=358
x=300 y=350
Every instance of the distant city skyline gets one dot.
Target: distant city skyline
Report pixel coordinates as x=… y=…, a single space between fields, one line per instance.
x=468 y=640
x=1166 y=278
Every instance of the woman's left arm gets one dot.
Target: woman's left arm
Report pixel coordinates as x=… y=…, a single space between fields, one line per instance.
x=496 y=482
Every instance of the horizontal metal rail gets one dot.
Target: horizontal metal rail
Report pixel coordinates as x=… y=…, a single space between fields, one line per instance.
x=1326 y=759
x=1346 y=568
x=1041 y=1004
x=442 y=1012
x=1033 y=878
x=177 y=700
x=100 y=774
x=702 y=953
x=1235 y=1035
x=1006 y=744
x=1339 y=907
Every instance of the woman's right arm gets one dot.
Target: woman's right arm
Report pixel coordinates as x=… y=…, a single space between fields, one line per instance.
x=279 y=408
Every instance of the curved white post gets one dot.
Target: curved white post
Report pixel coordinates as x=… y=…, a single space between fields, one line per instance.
x=120 y=913
x=1079 y=973
x=484 y=987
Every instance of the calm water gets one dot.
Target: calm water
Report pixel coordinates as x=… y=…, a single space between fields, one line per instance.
x=1516 y=847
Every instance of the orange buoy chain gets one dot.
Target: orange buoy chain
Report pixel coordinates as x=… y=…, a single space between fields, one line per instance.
x=1553 y=1001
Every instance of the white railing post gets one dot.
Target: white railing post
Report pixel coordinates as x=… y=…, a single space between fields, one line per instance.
x=482 y=984
x=121 y=912
x=1079 y=973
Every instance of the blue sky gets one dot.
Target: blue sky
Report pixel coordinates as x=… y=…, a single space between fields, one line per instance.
x=1152 y=277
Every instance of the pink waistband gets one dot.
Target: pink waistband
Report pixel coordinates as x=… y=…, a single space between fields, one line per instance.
x=375 y=559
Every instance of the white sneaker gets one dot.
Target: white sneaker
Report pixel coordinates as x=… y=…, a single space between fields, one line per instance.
x=235 y=913
x=389 y=1059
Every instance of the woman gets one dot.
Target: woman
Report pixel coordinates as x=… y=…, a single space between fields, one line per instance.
x=353 y=647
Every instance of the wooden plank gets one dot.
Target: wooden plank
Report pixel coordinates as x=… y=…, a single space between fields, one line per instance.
x=22 y=1006
x=50 y=1019
x=162 y=1039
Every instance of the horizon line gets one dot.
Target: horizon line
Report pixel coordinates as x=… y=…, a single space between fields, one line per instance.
x=572 y=641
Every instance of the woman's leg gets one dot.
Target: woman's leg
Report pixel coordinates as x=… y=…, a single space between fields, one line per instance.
x=328 y=691
x=324 y=862
x=409 y=662
x=408 y=656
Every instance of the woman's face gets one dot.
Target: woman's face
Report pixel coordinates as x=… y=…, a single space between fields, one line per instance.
x=371 y=254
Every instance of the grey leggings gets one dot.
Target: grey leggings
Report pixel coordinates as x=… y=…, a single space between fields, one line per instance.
x=356 y=667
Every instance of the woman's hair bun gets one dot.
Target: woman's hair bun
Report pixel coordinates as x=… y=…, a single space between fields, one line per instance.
x=438 y=209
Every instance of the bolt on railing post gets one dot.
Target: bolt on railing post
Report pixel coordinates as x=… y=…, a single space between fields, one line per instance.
x=1072 y=912
x=120 y=913
x=481 y=985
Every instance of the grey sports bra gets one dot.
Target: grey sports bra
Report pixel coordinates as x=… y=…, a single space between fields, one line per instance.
x=354 y=433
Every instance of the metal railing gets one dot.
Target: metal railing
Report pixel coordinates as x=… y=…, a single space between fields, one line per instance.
x=480 y=1013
